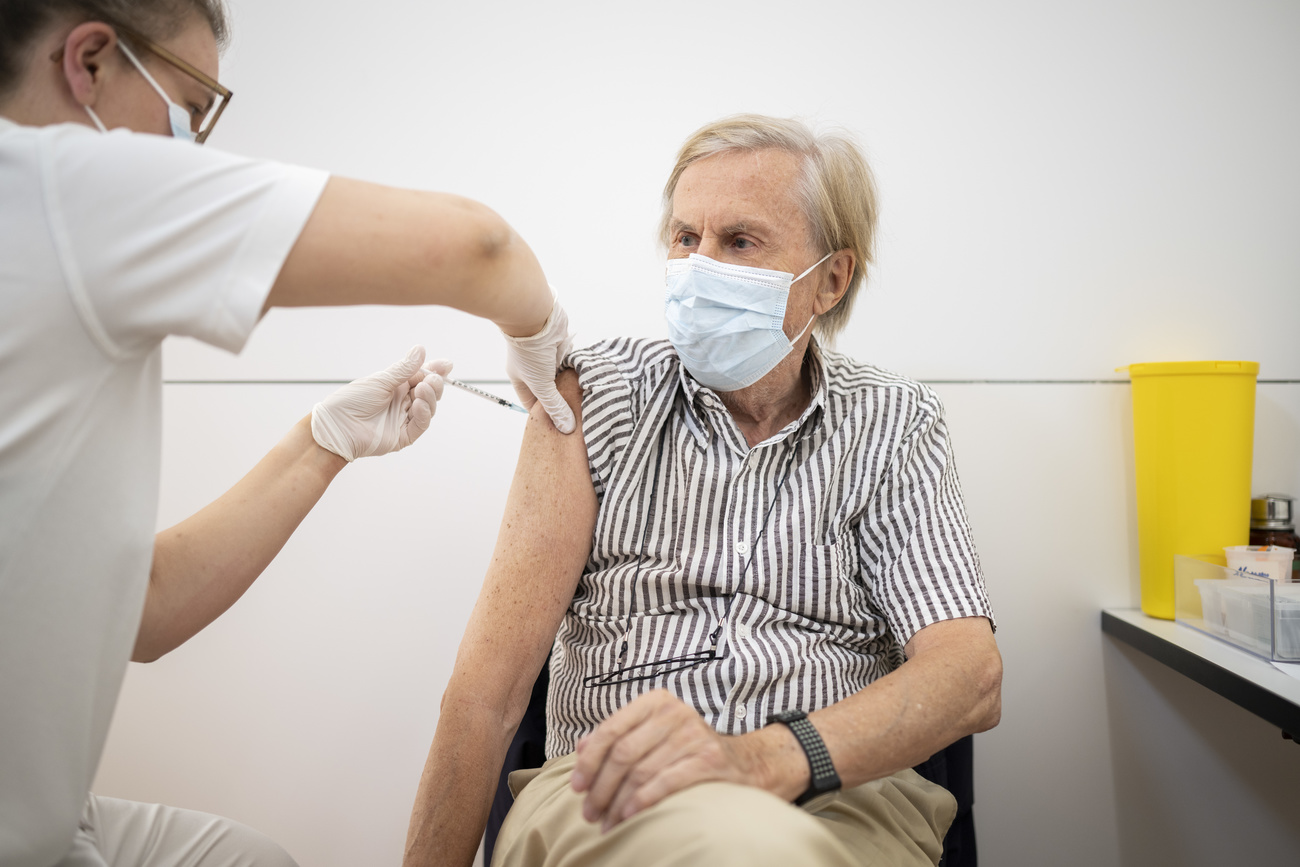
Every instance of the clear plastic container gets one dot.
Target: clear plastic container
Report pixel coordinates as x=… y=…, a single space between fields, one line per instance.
x=1287 y=611
x=1247 y=611
x=1258 y=615
x=1261 y=561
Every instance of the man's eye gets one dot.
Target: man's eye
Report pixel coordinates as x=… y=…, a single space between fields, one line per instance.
x=743 y=243
x=685 y=240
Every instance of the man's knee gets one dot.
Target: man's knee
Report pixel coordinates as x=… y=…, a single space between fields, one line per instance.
x=729 y=824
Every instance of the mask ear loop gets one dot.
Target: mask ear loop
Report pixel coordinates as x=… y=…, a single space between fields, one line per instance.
x=98 y=123
x=805 y=330
x=810 y=267
x=176 y=116
x=796 y=280
x=130 y=55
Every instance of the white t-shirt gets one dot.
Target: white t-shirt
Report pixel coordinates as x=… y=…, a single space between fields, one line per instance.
x=108 y=243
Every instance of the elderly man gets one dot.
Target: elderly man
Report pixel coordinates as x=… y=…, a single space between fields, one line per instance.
x=755 y=568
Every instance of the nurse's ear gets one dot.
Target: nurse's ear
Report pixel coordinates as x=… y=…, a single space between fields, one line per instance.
x=88 y=52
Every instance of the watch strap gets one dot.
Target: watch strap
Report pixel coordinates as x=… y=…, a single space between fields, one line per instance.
x=823 y=777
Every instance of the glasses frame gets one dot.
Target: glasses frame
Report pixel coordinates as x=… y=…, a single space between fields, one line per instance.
x=627 y=674
x=189 y=69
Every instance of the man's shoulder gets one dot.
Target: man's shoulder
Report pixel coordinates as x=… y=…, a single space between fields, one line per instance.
x=856 y=381
x=631 y=359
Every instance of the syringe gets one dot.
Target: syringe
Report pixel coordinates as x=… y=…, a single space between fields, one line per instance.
x=486 y=395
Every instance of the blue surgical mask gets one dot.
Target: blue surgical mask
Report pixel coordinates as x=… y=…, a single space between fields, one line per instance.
x=726 y=321
x=177 y=116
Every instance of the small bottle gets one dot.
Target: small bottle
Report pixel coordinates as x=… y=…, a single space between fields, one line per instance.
x=1272 y=523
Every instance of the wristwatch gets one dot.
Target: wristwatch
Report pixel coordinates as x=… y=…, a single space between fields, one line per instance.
x=824 y=779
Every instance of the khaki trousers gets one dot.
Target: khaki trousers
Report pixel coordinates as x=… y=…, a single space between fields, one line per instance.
x=899 y=821
x=117 y=833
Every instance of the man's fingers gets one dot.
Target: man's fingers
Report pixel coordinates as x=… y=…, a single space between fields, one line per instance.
x=668 y=781
x=624 y=756
x=592 y=748
x=671 y=752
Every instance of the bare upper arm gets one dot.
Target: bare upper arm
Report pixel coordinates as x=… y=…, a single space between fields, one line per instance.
x=542 y=548
x=371 y=244
x=961 y=635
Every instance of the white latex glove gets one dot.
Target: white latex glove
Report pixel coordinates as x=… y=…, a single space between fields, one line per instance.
x=532 y=362
x=383 y=412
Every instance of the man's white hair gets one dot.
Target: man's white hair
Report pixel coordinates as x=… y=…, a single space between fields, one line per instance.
x=837 y=189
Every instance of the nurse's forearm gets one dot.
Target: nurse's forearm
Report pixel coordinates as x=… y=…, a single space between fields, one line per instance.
x=369 y=244
x=206 y=562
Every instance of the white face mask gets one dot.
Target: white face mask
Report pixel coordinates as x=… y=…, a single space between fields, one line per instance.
x=727 y=321
x=177 y=116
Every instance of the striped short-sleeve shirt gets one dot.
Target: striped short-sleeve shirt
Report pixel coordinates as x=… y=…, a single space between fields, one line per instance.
x=808 y=560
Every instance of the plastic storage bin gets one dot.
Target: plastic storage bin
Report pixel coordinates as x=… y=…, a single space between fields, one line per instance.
x=1259 y=615
x=1193 y=432
x=1261 y=561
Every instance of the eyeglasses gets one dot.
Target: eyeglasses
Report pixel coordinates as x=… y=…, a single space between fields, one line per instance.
x=221 y=94
x=651 y=670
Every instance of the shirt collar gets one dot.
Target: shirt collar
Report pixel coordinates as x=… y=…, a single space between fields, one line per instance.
x=707 y=415
x=6 y=124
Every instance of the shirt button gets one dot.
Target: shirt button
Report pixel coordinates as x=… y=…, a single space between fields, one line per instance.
x=743 y=630
x=742 y=548
x=740 y=712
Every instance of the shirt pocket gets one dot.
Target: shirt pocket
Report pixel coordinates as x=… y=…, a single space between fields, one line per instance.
x=816 y=582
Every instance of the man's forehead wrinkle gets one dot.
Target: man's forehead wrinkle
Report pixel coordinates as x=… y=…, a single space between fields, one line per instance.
x=750 y=225
x=751 y=192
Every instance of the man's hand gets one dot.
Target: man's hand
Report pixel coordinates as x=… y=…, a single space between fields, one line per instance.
x=656 y=746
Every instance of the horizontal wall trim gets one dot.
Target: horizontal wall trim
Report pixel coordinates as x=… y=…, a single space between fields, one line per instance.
x=507 y=382
x=303 y=381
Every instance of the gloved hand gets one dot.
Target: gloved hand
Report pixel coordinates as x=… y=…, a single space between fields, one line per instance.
x=383 y=412
x=532 y=362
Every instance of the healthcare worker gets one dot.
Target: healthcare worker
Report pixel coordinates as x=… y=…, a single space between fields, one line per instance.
x=116 y=230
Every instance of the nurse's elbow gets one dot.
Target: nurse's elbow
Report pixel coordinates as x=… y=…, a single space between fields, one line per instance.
x=485 y=235
x=147 y=650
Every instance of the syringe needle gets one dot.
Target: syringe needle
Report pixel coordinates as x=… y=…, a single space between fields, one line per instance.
x=486 y=395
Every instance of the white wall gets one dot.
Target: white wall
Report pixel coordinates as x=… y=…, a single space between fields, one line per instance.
x=1067 y=188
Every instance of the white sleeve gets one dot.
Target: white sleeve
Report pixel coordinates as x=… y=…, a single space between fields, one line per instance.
x=159 y=237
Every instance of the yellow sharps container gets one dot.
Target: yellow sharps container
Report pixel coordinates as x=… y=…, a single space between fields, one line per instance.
x=1193 y=433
